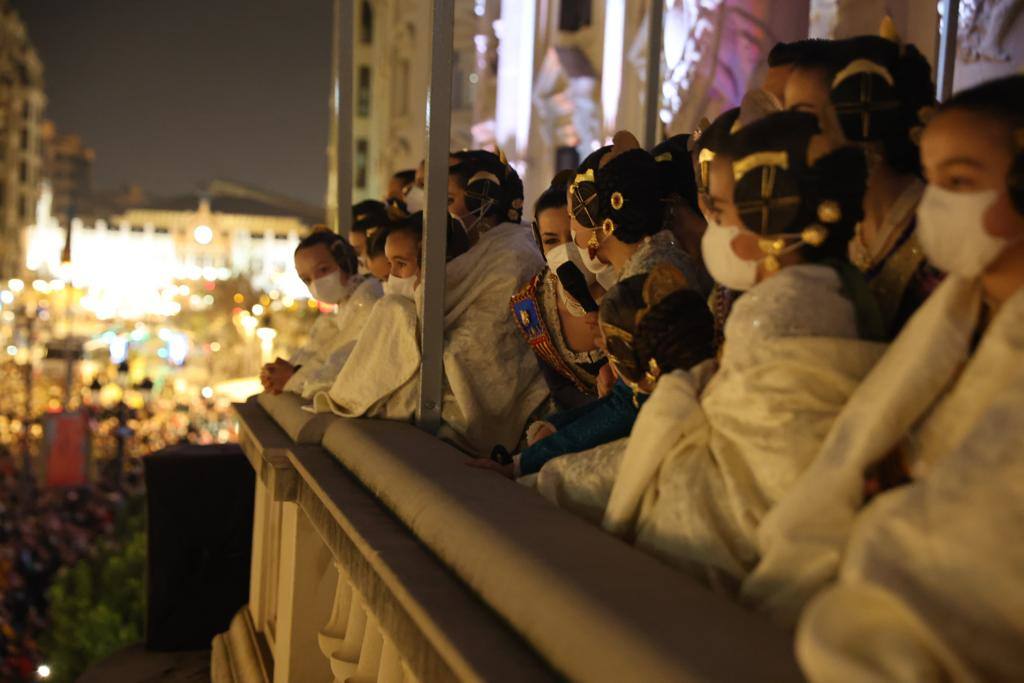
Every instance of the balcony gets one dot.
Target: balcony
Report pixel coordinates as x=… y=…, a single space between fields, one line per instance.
x=378 y=556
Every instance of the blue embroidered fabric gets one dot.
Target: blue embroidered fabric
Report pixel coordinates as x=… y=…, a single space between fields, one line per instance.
x=579 y=429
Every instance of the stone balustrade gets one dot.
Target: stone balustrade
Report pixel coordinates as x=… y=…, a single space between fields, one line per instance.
x=379 y=556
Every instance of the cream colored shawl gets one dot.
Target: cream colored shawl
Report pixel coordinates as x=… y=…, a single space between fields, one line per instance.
x=333 y=350
x=711 y=466
x=802 y=541
x=492 y=380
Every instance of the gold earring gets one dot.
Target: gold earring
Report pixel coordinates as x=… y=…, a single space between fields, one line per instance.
x=593 y=242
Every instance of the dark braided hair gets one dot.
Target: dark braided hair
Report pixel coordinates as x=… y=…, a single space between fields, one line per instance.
x=629 y=201
x=339 y=248
x=367 y=214
x=677 y=331
x=829 y=192
x=457 y=243
x=508 y=199
x=675 y=170
x=896 y=107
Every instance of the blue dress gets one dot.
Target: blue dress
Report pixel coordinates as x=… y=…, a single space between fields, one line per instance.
x=585 y=427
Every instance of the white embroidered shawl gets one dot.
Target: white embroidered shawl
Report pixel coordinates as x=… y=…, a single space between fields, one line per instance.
x=492 y=380
x=917 y=543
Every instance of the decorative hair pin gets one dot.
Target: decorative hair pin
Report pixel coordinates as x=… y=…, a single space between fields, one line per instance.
x=775 y=246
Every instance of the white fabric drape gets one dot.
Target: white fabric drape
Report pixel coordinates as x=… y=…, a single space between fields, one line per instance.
x=332 y=351
x=928 y=573
x=492 y=380
x=722 y=458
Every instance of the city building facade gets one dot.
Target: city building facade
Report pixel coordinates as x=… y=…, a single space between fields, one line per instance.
x=224 y=231
x=67 y=165
x=22 y=101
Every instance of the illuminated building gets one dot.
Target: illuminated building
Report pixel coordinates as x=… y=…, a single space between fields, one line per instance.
x=21 y=108
x=226 y=230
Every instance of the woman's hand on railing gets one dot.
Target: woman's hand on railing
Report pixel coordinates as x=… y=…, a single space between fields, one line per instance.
x=275 y=375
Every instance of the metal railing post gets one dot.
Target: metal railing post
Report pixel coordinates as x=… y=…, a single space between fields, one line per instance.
x=655 y=35
x=946 y=62
x=435 y=233
x=339 y=153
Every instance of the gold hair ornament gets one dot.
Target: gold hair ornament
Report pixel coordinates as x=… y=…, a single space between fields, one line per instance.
x=752 y=161
x=775 y=246
x=617 y=200
x=608 y=227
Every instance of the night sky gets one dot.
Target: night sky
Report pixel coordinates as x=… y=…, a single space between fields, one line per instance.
x=174 y=92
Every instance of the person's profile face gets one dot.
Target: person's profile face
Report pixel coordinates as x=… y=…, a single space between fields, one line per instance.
x=457 y=200
x=379 y=266
x=312 y=263
x=403 y=252
x=553 y=228
x=807 y=90
x=963 y=151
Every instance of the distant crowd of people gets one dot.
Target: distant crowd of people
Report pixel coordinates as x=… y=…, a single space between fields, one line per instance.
x=782 y=354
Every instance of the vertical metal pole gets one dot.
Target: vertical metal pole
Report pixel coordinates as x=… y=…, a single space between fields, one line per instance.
x=435 y=237
x=655 y=34
x=946 y=62
x=339 y=153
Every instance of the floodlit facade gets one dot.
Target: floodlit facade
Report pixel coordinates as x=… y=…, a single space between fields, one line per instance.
x=228 y=229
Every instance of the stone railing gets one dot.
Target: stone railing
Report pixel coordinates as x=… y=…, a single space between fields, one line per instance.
x=378 y=556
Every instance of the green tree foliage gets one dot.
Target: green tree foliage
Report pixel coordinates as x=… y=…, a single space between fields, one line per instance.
x=97 y=606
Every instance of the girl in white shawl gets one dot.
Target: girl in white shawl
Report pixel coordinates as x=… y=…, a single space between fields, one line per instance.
x=492 y=380
x=704 y=464
x=328 y=265
x=929 y=573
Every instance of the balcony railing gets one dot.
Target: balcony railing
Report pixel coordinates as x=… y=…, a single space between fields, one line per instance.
x=378 y=556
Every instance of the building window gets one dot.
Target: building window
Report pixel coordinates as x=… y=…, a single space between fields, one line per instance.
x=366 y=24
x=24 y=138
x=256 y=236
x=23 y=172
x=138 y=229
x=362 y=160
x=23 y=207
x=281 y=236
x=364 y=91
x=400 y=97
x=574 y=15
x=161 y=231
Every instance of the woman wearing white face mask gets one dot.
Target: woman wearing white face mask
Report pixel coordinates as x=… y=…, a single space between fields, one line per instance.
x=328 y=265
x=705 y=462
x=556 y=326
x=492 y=382
x=914 y=505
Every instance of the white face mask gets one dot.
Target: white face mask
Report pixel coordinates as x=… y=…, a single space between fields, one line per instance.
x=402 y=286
x=594 y=265
x=415 y=199
x=950 y=226
x=328 y=288
x=568 y=253
x=723 y=264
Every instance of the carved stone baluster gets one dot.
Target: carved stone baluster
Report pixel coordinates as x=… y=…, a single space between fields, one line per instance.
x=369 y=656
x=332 y=636
x=341 y=640
x=390 y=663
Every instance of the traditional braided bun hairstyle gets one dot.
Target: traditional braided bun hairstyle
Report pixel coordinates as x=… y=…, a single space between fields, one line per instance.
x=707 y=141
x=583 y=199
x=341 y=251
x=675 y=170
x=493 y=188
x=655 y=322
x=629 y=191
x=368 y=214
x=782 y=194
x=882 y=92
